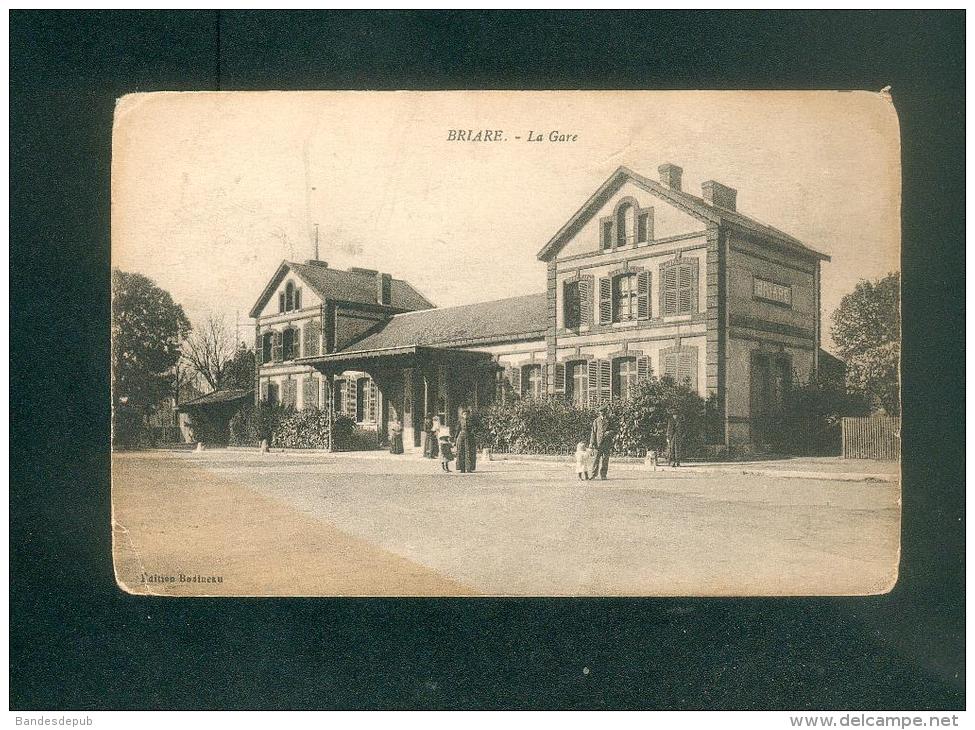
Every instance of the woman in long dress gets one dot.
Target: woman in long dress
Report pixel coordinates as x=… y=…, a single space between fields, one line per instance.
x=464 y=445
x=429 y=438
x=396 y=437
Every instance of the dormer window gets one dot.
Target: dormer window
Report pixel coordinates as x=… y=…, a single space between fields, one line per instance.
x=628 y=226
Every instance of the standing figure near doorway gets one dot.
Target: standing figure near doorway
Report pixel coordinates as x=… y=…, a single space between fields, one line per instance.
x=430 y=428
x=465 y=445
x=395 y=437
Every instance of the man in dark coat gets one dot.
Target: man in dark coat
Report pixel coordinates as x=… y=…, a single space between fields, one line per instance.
x=674 y=436
x=601 y=441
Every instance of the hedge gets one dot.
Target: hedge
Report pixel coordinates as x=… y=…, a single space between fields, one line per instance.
x=552 y=425
x=287 y=428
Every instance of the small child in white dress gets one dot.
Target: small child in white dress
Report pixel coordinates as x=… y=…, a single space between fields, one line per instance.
x=583 y=460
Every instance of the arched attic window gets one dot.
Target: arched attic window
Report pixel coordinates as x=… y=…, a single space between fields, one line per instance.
x=625 y=224
x=289 y=297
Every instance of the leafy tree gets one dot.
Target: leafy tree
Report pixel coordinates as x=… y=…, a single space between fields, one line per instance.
x=147 y=329
x=866 y=330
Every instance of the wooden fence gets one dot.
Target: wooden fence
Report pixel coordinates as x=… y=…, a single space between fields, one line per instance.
x=875 y=437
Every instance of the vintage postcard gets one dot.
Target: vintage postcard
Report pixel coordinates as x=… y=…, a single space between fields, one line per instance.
x=470 y=343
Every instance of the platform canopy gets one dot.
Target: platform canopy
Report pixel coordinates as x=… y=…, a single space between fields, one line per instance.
x=403 y=356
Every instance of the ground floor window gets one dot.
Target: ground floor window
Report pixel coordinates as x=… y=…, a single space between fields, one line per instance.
x=531 y=381
x=577 y=382
x=624 y=377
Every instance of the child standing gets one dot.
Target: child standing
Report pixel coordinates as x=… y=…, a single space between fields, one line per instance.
x=446 y=452
x=583 y=460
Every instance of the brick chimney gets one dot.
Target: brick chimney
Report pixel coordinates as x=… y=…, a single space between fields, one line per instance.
x=720 y=195
x=384 y=288
x=670 y=175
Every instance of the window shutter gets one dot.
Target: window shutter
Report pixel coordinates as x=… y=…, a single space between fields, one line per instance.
x=687 y=367
x=544 y=373
x=281 y=302
x=373 y=414
x=264 y=391
x=643 y=368
x=560 y=377
x=309 y=392
x=605 y=300
x=605 y=381
x=276 y=345
x=668 y=290
x=310 y=338
x=685 y=284
x=516 y=380
x=670 y=365
x=643 y=295
x=352 y=397
x=592 y=383
x=298 y=298
x=585 y=300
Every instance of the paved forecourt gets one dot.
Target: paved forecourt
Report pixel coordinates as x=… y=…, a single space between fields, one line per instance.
x=319 y=524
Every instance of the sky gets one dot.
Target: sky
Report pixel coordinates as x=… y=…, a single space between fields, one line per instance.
x=212 y=190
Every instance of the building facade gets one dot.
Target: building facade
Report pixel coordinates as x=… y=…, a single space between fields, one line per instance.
x=644 y=278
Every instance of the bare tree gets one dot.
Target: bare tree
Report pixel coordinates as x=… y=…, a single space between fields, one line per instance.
x=210 y=350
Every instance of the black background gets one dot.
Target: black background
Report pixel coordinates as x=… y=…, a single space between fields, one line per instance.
x=77 y=642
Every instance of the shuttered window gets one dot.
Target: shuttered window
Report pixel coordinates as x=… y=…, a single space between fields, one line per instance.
x=532 y=381
x=680 y=364
x=678 y=288
x=577 y=383
x=624 y=377
x=273 y=394
x=624 y=297
x=267 y=347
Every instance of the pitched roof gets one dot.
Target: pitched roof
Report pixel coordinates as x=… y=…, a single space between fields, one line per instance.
x=347 y=286
x=218 y=396
x=695 y=206
x=502 y=320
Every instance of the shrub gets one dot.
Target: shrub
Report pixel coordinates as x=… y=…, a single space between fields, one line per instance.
x=552 y=425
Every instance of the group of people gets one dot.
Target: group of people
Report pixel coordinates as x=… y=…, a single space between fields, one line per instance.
x=592 y=458
x=440 y=442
